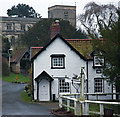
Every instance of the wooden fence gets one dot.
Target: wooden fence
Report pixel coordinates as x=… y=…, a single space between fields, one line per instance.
x=82 y=107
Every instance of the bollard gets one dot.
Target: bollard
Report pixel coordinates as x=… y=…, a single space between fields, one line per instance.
x=16 y=77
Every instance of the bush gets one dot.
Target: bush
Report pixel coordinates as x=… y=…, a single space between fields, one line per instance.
x=5 y=67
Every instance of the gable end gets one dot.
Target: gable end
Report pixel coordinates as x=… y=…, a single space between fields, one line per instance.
x=58 y=35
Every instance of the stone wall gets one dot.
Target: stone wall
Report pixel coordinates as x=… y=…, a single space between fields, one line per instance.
x=64 y=12
x=15 y=67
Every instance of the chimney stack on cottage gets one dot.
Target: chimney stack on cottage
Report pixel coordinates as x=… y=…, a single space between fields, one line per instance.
x=54 y=29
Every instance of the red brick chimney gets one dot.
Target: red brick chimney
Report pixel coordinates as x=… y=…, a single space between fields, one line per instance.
x=54 y=29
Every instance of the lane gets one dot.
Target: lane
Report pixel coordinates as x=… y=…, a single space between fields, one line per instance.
x=13 y=105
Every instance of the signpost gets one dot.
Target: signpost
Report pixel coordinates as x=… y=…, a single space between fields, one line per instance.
x=81 y=81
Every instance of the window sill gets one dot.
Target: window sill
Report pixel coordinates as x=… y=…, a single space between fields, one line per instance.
x=98 y=67
x=57 y=67
x=62 y=93
x=99 y=93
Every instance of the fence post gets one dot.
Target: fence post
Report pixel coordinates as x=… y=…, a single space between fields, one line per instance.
x=86 y=108
x=83 y=108
x=97 y=97
x=101 y=109
x=60 y=102
x=77 y=108
x=68 y=104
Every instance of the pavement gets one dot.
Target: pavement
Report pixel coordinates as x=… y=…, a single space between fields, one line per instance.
x=12 y=104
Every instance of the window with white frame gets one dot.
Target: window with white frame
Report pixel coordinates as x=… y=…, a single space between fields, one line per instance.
x=58 y=61
x=98 y=85
x=98 y=61
x=64 y=87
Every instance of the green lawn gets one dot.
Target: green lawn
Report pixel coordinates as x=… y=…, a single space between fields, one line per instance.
x=94 y=107
x=12 y=78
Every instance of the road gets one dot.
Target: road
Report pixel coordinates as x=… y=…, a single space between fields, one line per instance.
x=13 y=105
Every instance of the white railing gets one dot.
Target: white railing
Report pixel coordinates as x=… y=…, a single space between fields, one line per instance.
x=75 y=95
x=82 y=107
x=68 y=99
x=102 y=94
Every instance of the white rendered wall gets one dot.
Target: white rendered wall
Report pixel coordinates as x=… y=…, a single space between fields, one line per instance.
x=91 y=75
x=35 y=90
x=55 y=87
x=73 y=63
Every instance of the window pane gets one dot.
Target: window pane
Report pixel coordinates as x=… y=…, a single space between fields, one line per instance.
x=63 y=86
x=98 y=61
x=58 y=62
x=98 y=85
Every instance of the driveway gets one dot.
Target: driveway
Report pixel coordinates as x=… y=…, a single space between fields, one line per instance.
x=13 y=105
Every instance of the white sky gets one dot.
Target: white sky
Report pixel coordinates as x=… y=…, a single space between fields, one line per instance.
x=41 y=6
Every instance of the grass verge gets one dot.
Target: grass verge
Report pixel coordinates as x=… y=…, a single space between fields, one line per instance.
x=18 y=78
x=26 y=98
x=96 y=108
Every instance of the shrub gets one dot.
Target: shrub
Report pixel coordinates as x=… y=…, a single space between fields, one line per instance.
x=5 y=67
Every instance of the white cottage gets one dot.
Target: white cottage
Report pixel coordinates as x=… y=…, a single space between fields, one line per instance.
x=57 y=61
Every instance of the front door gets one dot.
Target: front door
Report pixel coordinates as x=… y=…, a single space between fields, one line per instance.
x=44 y=91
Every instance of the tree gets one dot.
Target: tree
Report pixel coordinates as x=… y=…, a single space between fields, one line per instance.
x=70 y=32
x=5 y=46
x=111 y=51
x=5 y=67
x=23 y=10
x=39 y=34
x=97 y=17
x=104 y=21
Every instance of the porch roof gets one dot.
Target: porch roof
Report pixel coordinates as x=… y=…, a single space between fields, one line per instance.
x=44 y=75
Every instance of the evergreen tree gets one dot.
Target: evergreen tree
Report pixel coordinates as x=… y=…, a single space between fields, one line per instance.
x=39 y=34
x=111 y=51
x=23 y=10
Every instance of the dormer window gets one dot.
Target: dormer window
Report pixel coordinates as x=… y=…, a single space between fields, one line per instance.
x=57 y=61
x=98 y=61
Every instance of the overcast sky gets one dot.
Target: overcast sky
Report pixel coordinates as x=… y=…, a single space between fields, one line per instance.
x=41 y=6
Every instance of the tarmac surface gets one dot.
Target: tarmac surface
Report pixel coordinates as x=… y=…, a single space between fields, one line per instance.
x=13 y=106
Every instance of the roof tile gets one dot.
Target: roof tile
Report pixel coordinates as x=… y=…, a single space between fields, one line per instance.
x=16 y=57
